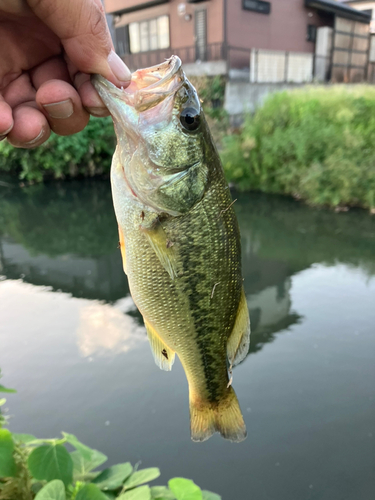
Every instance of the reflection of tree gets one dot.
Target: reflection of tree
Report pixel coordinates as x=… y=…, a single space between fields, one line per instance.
x=65 y=236
x=54 y=219
x=280 y=229
x=281 y=237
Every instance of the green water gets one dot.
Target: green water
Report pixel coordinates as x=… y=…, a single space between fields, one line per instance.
x=74 y=345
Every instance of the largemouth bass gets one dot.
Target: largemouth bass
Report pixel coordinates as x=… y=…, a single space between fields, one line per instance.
x=180 y=240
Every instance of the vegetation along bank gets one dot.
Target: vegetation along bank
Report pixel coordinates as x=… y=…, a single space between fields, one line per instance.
x=316 y=144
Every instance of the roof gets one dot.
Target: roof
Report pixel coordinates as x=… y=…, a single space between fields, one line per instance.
x=340 y=9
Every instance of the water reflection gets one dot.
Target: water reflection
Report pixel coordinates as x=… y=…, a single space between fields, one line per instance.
x=65 y=237
x=104 y=329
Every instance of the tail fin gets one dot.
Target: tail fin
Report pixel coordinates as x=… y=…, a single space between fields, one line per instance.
x=224 y=417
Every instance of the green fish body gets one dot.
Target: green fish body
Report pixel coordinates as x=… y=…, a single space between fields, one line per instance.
x=180 y=240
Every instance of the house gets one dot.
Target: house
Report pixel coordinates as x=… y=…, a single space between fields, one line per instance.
x=266 y=41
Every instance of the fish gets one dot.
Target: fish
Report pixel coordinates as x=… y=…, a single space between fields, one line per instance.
x=179 y=239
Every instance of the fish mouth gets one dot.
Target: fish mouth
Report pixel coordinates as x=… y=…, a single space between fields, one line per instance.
x=148 y=86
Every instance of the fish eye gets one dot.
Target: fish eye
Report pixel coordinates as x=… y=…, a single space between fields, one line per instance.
x=190 y=119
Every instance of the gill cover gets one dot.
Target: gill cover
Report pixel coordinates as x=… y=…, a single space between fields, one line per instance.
x=160 y=130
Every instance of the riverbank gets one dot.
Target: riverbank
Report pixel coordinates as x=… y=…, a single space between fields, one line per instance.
x=315 y=144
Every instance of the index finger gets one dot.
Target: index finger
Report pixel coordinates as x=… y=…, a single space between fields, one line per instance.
x=82 y=27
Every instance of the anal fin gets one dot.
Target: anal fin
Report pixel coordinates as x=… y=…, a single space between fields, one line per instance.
x=163 y=355
x=239 y=340
x=163 y=248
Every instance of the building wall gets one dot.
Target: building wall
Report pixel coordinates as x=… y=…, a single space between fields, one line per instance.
x=182 y=32
x=285 y=28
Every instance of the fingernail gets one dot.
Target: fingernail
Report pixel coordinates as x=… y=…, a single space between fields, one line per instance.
x=60 y=110
x=37 y=138
x=5 y=133
x=97 y=111
x=118 y=67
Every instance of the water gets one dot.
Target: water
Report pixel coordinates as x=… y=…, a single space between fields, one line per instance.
x=74 y=346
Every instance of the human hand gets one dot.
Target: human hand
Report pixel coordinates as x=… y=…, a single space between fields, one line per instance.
x=48 y=48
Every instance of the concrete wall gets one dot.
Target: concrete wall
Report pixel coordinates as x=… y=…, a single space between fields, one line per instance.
x=242 y=97
x=211 y=68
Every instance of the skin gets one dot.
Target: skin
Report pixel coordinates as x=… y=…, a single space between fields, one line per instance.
x=48 y=50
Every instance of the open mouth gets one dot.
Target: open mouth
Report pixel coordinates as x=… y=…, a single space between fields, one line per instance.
x=148 y=86
x=156 y=76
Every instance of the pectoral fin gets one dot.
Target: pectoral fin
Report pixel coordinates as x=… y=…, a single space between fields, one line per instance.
x=163 y=248
x=122 y=248
x=239 y=340
x=163 y=355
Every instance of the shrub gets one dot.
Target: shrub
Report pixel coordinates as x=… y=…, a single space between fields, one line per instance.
x=317 y=144
x=85 y=154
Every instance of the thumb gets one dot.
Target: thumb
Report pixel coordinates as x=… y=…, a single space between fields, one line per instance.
x=82 y=28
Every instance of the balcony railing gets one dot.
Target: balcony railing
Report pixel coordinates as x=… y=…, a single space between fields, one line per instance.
x=193 y=54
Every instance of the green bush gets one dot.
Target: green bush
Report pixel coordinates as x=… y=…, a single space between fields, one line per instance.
x=317 y=144
x=44 y=469
x=85 y=154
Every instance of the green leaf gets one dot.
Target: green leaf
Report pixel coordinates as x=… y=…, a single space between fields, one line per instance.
x=54 y=490
x=5 y=389
x=141 y=493
x=208 y=495
x=24 y=438
x=90 y=492
x=161 y=493
x=110 y=495
x=185 y=489
x=7 y=463
x=84 y=450
x=51 y=462
x=82 y=467
x=2 y=401
x=113 y=477
x=141 y=476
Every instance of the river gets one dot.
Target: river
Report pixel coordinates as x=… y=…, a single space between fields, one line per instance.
x=74 y=346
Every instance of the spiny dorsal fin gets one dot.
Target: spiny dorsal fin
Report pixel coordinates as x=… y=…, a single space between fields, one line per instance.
x=239 y=340
x=163 y=248
x=163 y=355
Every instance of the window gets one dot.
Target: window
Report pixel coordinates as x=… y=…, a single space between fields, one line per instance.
x=148 y=35
x=257 y=6
x=311 y=33
x=122 y=40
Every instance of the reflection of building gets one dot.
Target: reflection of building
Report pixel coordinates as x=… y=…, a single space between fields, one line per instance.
x=275 y=41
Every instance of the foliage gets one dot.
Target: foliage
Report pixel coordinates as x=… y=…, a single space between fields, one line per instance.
x=317 y=144
x=85 y=154
x=61 y=218
x=89 y=152
x=44 y=469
